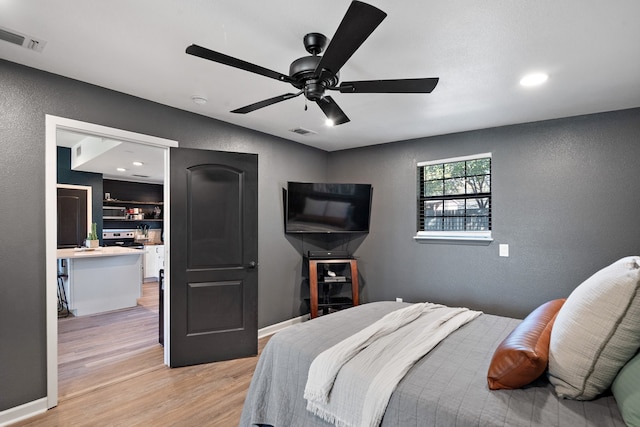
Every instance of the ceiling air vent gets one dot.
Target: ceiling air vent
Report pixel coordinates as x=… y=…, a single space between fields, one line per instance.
x=302 y=131
x=23 y=40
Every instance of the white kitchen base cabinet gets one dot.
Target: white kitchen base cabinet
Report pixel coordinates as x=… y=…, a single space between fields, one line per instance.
x=102 y=280
x=153 y=261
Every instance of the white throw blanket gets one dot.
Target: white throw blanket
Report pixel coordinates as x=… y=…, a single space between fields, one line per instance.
x=350 y=383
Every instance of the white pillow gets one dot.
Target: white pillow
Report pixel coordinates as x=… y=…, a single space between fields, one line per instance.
x=596 y=331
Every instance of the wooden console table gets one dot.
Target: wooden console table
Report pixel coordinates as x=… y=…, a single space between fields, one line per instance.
x=313 y=281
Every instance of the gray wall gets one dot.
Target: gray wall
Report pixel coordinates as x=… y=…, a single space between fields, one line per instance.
x=565 y=199
x=26 y=96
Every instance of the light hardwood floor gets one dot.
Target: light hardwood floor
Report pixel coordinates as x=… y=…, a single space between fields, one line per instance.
x=111 y=374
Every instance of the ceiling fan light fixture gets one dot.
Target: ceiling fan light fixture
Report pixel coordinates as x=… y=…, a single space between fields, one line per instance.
x=534 y=79
x=199 y=99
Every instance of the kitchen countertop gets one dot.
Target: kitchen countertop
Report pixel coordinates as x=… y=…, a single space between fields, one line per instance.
x=97 y=252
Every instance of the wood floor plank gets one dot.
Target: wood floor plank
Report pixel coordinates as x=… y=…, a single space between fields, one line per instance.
x=111 y=374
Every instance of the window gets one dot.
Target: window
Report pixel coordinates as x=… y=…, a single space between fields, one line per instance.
x=454 y=199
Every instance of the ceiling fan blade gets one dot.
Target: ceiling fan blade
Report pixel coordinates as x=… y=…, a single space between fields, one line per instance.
x=265 y=103
x=356 y=26
x=221 y=58
x=332 y=111
x=390 y=86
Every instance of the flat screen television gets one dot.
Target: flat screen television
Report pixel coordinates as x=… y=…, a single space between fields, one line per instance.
x=327 y=208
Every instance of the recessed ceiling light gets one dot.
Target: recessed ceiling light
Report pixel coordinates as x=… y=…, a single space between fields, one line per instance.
x=534 y=79
x=137 y=163
x=121 y=169
x=329 y=122
x=198 y=99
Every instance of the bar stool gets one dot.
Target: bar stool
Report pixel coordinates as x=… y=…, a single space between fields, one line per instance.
x=63 y=303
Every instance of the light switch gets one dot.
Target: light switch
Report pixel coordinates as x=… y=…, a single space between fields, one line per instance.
x=504 y=249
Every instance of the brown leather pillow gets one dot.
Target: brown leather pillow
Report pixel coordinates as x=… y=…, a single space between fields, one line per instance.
x=524 y=354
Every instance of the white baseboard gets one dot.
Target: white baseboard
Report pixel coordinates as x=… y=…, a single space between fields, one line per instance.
x=272 y=329
x=22 y=412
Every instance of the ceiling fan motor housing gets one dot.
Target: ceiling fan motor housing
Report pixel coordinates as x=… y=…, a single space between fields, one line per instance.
x=303 y=73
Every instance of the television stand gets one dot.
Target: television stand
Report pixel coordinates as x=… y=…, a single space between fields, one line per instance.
x=314 y=283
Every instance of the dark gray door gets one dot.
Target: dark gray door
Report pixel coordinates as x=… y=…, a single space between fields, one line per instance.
x=214 y=255
x=72 y=217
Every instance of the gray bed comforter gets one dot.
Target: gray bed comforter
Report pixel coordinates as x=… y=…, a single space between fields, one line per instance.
x=447 y=387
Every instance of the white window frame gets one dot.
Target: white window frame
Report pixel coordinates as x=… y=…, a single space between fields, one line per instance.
x=454 y=237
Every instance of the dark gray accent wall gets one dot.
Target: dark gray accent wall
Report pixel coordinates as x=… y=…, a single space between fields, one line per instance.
x=565 y=199
x=27 y=95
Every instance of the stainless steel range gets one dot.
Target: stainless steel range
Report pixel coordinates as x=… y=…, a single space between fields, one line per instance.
x=125 y=238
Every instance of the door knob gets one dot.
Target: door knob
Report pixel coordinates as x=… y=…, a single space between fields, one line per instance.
x=252 y=265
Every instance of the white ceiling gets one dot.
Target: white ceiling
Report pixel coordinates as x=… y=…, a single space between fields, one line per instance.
x=479 y=49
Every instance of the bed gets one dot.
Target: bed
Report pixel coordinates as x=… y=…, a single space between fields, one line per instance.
x=446 y=387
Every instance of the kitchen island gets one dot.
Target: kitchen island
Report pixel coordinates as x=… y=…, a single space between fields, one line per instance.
x=100 y=279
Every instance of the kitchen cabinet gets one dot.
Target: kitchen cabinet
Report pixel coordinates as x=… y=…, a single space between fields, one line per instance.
x=153 y=261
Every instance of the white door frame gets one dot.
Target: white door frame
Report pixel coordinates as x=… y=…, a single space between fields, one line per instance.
x=52 y=124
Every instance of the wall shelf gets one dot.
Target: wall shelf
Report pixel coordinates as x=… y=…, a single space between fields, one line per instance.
x=134 y=220
x=131 y=202
x=145 y=208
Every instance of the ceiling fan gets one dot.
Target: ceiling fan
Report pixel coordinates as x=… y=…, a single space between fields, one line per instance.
x=313 y=75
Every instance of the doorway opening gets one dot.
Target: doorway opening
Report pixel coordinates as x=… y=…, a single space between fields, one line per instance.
x=54 y=125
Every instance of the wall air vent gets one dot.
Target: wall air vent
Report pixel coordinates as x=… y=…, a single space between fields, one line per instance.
x=302 y=131
x=23 y=40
